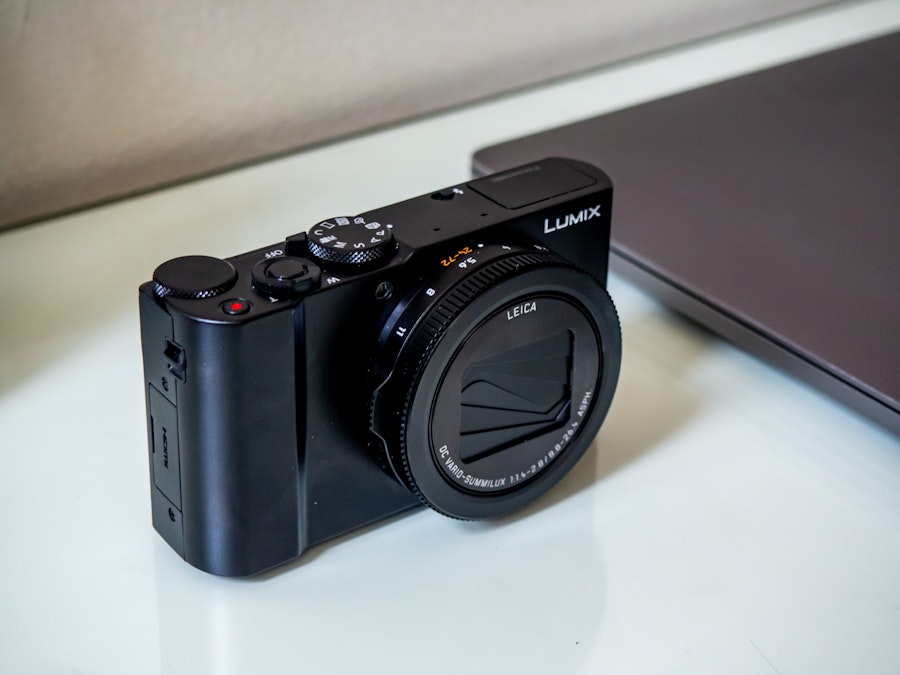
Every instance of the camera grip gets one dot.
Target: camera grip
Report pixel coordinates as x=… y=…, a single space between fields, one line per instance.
x=238 y=472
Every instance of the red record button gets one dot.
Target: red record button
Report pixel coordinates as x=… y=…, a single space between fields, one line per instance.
x=236 y=306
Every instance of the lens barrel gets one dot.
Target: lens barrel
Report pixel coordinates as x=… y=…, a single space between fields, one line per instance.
x=497 y=374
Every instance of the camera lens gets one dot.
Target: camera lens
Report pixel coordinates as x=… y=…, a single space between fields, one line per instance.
x=497 y=374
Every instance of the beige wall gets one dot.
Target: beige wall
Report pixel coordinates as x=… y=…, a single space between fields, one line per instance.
x=100 y=98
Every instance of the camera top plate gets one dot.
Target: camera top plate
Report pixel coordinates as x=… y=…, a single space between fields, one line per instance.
x=562 y=204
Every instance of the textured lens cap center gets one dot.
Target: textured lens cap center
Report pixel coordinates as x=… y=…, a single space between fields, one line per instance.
x=508 y=401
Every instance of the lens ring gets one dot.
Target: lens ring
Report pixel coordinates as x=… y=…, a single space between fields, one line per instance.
x=411 y=395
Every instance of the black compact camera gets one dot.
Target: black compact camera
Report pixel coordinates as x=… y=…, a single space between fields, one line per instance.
x=457 y=350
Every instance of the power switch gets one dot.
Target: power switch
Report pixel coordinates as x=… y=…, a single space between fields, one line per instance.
x=164 y=446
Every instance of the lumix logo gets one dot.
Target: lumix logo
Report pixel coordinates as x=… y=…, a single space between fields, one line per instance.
x=571 y=219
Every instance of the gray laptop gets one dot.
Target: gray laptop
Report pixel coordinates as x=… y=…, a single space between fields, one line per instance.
x=767 y=208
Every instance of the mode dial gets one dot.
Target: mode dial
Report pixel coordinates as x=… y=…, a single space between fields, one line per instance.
x=351 y=241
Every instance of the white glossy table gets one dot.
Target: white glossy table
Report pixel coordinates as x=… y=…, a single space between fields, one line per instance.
x=729 y=519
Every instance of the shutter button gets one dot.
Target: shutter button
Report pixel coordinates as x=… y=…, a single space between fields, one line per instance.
x=284 y=277
x=286 y=269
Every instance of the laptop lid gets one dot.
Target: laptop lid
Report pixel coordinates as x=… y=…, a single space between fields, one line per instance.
x=767 y=208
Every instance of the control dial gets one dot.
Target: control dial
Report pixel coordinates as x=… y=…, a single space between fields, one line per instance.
x=351 y=241
x=193 y=277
